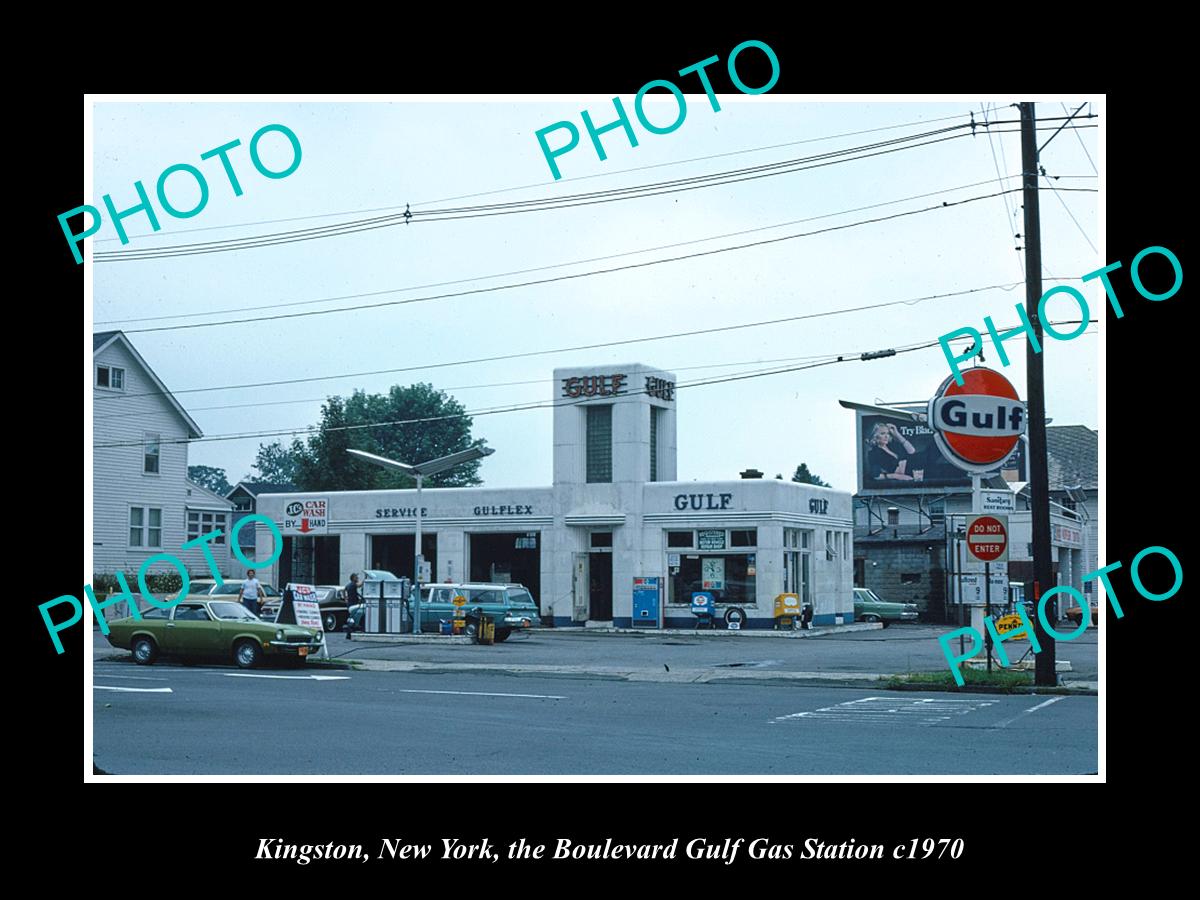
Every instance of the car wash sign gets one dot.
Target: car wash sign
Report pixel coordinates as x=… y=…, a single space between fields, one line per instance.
x=310 y=516
x=977 y=424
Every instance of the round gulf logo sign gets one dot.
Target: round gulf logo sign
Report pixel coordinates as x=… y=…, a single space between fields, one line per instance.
x=977 y=424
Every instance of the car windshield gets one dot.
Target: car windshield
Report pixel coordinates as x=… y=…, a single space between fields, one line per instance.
x=234 y=612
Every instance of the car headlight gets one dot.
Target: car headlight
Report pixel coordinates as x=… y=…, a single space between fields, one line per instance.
x=279 y=635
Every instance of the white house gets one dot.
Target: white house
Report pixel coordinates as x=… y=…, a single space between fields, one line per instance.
x=143 y=502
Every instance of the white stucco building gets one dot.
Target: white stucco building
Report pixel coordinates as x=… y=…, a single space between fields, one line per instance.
x=615 y=511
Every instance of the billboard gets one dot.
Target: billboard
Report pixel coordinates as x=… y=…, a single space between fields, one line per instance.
x=896 y=455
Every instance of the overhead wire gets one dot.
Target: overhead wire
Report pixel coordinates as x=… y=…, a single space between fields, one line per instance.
x=912 y=301
x=546 y=204
x=842 y=358
x=744 y=231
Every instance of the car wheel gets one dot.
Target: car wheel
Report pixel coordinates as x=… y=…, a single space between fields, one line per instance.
x=145 y=651
x=886 y=623
x=471 y=629
x=331 y=622
x=502 y=634
x=246 y=654
x=870 y=617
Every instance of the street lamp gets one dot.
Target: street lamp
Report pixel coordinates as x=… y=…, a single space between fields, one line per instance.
x=419 y=471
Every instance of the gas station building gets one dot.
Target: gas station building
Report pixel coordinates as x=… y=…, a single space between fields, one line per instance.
x=615 y=511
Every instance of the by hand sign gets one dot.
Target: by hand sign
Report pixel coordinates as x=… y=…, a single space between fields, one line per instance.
x=987 y=538
x=307 y=516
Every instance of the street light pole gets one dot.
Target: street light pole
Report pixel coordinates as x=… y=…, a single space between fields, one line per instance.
x=419 y=471
x=416 y=604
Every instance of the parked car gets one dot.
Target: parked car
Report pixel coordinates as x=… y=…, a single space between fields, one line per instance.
x=217 y=628
x=511 y=604
x=331 y=599
x=869 y=608
x=206 y=587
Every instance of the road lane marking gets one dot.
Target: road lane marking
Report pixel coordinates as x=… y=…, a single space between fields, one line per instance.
x=131 y=677
x=288 y=677
x=891 y=710
x=105 y=687
x=480 y=694
x=1026 y=712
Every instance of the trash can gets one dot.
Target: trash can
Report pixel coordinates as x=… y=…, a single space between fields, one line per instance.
x=444 y=626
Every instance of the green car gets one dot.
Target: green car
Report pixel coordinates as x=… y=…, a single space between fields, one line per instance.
x=511 y=604
x=869 y=608
x=198 y=626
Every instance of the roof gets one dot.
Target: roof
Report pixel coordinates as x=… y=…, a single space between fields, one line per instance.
x=103 y=339
x=1073 y=453
x=254 y=488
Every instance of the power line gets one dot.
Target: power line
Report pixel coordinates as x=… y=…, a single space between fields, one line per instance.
x=1008 y=223
x=1083 y=146
x=498 y=384
x=652 y=189
x=715 y=237
x=569 y=202
x=539 y=281
x=542 y=184
x=1069 y=213
x=497 y=410
x=842 y=358
x=530 y=353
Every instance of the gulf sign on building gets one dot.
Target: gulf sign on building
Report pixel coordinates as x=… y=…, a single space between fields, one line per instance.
x=977 y=424
x=308 y=516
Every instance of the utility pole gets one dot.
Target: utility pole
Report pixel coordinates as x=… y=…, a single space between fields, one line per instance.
x=1045 y=673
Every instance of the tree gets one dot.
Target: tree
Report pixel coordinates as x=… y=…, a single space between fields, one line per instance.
x=803 y=476
x=276 y=463
x=432 y=425
x=210 y=477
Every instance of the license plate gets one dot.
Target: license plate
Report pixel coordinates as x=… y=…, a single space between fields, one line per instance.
x=304 y=651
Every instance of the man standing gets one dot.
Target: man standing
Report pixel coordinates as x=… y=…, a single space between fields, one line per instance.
x=250 y=592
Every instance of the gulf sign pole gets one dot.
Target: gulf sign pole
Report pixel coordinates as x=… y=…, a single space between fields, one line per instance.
x=977 y=425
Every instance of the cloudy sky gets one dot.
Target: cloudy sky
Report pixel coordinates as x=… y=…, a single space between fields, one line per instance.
x=359 y=158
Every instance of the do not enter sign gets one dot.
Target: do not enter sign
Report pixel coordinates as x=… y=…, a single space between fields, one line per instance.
x=987 y=538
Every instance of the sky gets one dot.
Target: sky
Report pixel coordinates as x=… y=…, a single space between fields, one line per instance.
x=366 y=156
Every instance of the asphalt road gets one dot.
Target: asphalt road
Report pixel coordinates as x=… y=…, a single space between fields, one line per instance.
x=169 y=719
x=897 y=648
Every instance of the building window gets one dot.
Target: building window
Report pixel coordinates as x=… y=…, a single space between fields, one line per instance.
x=845 y=545
x=744 y=538
x=893 y=516
x=201 y=523
x=150 y=455
x=681 y=539
x=602 y=539
x=110 y=377
x=729 y=577
x=910 y=578
x=145 y=527
x=599 y=444
x=654 y=411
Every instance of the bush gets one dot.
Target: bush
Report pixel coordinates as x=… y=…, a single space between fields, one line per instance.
x=160 y=583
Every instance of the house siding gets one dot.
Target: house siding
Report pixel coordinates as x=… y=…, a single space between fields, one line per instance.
x=118 y=481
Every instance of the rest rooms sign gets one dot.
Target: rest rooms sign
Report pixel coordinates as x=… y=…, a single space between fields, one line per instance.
x=310 y=516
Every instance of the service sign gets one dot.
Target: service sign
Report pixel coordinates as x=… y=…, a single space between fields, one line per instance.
x=306 y=516
x=977 y=425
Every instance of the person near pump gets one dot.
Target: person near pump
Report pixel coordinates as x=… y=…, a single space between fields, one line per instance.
x=352 y=592
x=251 y=592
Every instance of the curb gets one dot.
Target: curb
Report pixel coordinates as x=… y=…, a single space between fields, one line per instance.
x=989 y=689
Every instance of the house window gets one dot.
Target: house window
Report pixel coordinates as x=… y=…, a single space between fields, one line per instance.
x=150 y=455
x=599 y=444
x=200 y=523
x=654 y=411
x=145 y=527
x=110 y=377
